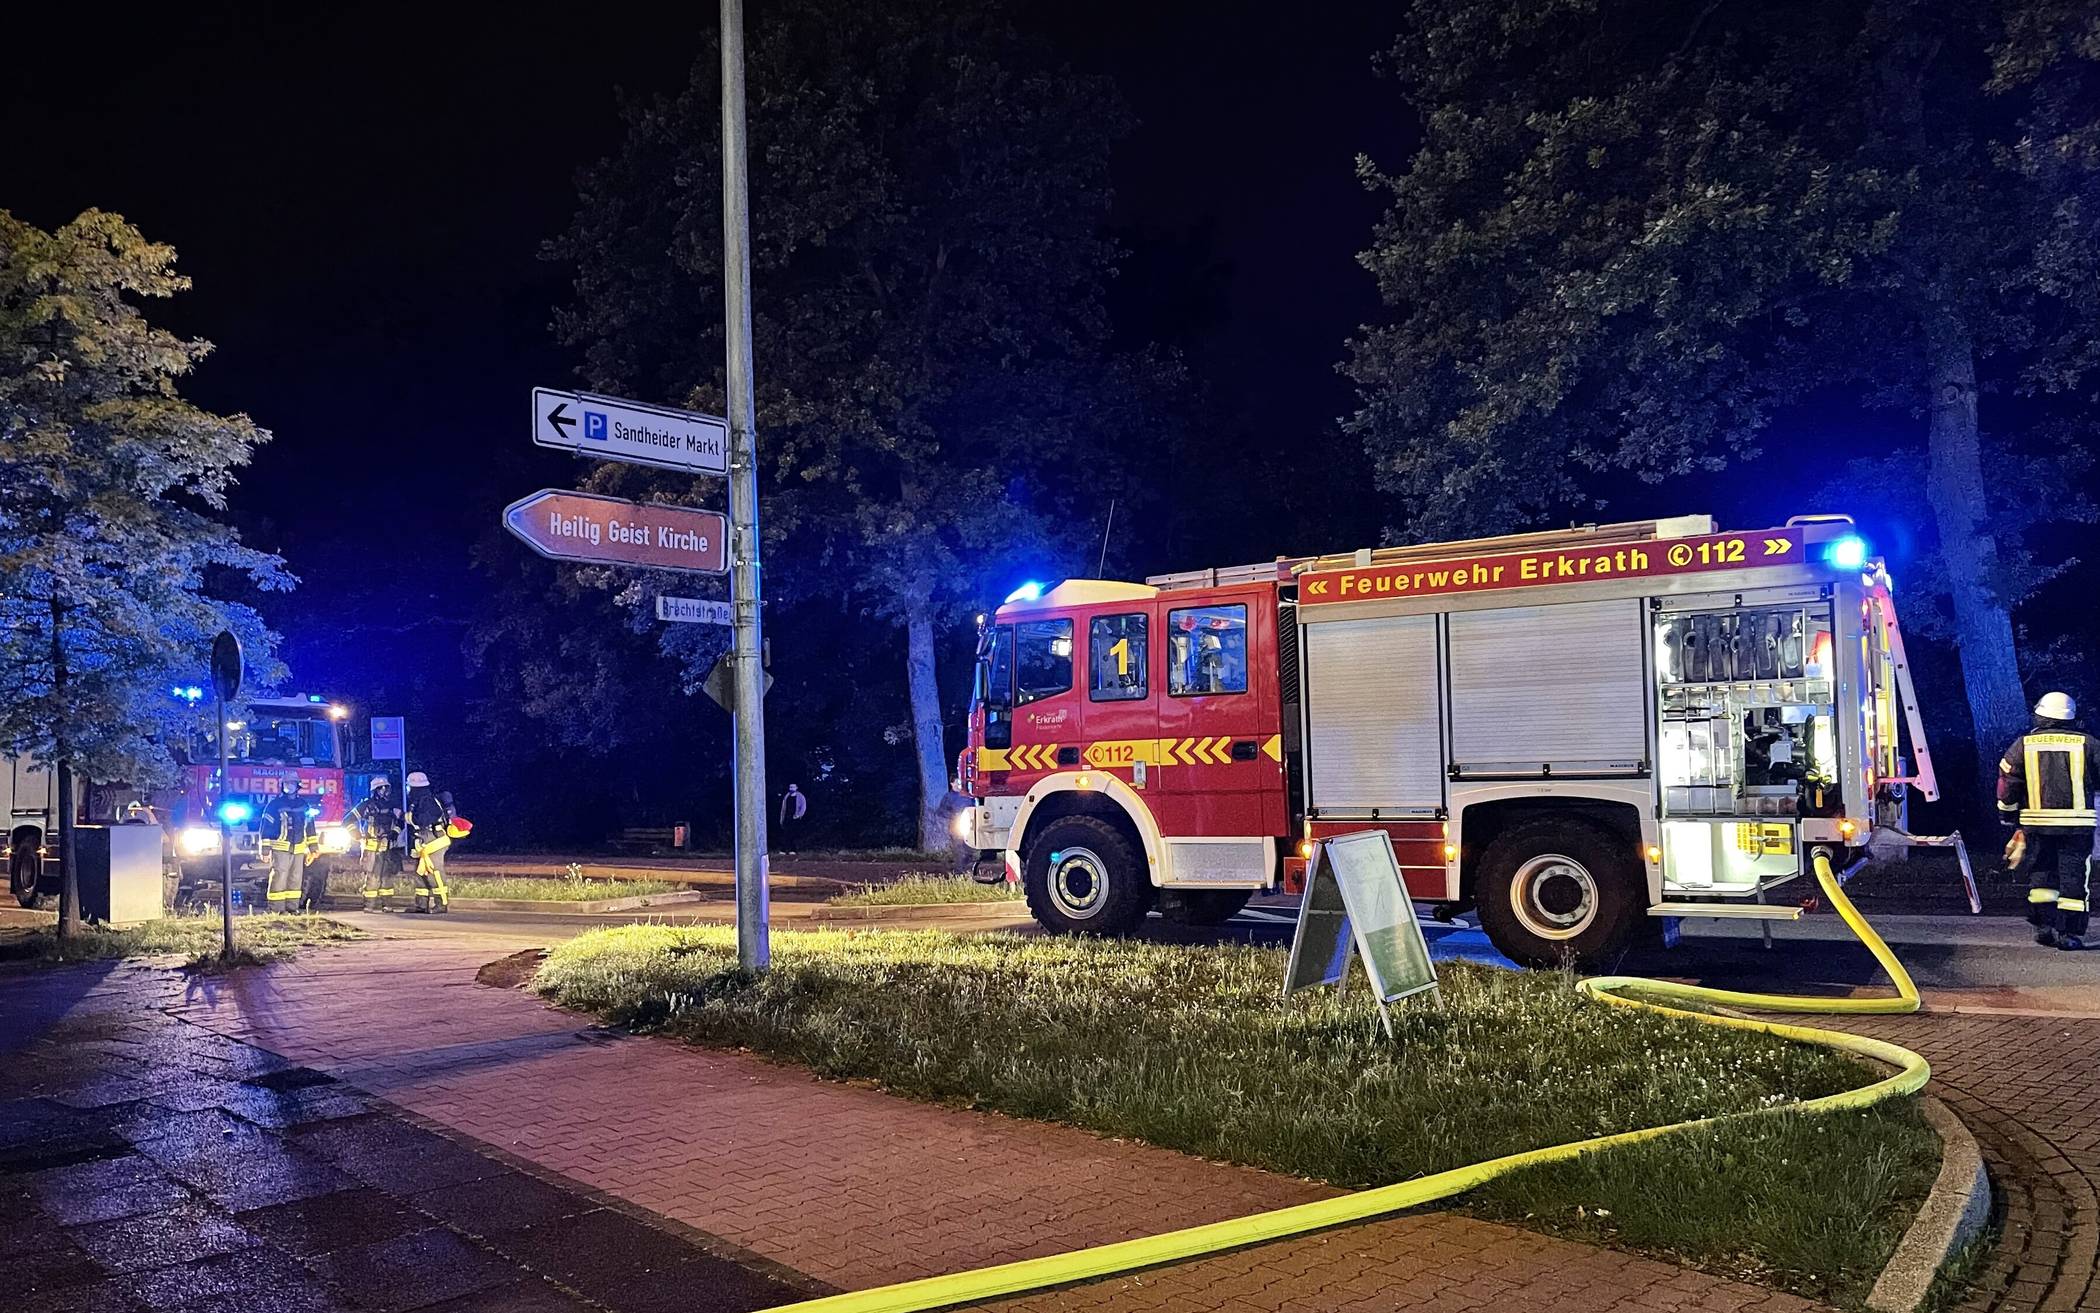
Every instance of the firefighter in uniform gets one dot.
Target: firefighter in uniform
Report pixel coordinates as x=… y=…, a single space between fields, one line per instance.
x=2046 y=782
x=429 y=822
x=377 y=821
x=289 y=838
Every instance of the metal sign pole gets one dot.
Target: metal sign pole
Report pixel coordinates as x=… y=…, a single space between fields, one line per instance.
x=752 y=948
x=225 y=841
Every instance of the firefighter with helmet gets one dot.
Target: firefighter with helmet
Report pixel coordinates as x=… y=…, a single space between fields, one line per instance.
x=377 y=821
x=290 y=839
x=429 y=824
x=2046 y=783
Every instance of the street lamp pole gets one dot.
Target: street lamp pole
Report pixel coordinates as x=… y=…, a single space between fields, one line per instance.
x=753 y=950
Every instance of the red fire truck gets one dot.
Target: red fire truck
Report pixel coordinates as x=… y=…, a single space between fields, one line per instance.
x=300 y=738
x=1575 y=733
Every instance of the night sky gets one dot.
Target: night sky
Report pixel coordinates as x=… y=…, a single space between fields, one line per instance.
x=360 y=197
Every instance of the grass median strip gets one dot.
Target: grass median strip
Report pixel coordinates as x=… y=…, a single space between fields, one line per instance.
x=260 y=938
x=1189 y=1048
x=540 y=889
x=919 y=890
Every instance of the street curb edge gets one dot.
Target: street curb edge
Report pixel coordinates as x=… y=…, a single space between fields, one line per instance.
x=1954 y=1213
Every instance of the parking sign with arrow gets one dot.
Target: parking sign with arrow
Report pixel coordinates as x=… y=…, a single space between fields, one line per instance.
x=609 y=428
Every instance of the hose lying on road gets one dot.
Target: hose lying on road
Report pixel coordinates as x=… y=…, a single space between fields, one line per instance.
x=1194 y=1242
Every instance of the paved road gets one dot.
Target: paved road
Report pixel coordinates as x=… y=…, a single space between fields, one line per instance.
x=1963 y=962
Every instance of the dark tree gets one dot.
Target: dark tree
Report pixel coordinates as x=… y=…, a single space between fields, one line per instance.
x=1636 y=228
x=939 y=407
x=109 y=486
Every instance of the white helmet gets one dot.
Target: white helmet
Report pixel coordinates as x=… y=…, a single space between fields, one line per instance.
x=418 y=780
x=2056 y=706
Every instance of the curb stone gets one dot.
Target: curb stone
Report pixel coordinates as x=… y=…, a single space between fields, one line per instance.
x=587 y=906
x=1953 y=1213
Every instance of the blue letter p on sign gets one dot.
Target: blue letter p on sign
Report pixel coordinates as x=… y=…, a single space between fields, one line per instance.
x=594 y=425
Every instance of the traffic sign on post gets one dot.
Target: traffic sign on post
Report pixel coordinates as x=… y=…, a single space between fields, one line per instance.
x=583 y=526
x=607 y=428
x=693 y=610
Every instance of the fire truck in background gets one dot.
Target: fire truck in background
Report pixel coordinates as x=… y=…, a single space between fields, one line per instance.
x=1575 y=733
x=300 y=738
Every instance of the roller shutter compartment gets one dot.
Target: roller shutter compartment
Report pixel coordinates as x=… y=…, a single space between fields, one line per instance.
x=1548 y=690
x=1374 y=736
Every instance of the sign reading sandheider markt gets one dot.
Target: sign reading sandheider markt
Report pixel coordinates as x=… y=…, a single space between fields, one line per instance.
x=582 y=526
x=1570 y=565
x=611 y=428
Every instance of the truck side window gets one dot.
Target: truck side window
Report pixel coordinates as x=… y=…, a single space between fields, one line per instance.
x=1207 y=650
x=1115 y=646
x=997 y=669
x=1042 y=659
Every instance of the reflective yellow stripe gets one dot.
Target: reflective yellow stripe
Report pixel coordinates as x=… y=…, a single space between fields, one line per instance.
x=2070 y=904
x=378 y=893
x=2041 y=895
x=280 y=895
x=2057 y=816
x=1108 y=754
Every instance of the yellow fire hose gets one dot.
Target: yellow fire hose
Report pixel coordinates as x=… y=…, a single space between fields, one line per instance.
x=1194 y=1242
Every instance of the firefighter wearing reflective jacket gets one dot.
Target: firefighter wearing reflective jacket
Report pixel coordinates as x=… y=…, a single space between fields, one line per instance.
x=289 y=838
x=429 y=821
x=2045 y=790
x=377 y=821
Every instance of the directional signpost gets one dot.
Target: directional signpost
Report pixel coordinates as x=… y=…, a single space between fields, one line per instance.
x=577 y=526
x=582 y=526
x=607 y=428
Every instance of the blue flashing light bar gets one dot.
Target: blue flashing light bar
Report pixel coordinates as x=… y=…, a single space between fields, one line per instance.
x=1847 y=553
x=1028 y=592
x=235 y=812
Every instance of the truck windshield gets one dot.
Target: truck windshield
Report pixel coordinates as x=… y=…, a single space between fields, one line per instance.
x=995 y=669
x=274 y=740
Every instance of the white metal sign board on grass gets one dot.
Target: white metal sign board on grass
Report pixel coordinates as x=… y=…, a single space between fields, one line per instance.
x=1355 y=897
x=609 y=428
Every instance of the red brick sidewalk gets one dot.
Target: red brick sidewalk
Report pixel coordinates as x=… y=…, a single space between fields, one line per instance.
x=2029 y=1089
x=857 y=1188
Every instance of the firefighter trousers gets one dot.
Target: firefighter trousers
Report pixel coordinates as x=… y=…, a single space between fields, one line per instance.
x=287 y=875
x=382 y=870
x=430 y=874
x=2059 y=878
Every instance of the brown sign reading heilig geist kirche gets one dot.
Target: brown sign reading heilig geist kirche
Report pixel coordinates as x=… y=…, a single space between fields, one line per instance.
x=582 y=526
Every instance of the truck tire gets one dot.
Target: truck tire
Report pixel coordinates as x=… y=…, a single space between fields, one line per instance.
x=1556 y=892
x=25 y=872
x=1205 y=906
x=1082 y=876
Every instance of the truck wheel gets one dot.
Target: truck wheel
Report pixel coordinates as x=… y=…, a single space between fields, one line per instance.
x=1555 y=892
x=1083 y=877
x=1205 y=906
x=25 y=871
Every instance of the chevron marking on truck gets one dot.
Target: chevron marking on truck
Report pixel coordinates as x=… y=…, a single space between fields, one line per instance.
x=1107 y=754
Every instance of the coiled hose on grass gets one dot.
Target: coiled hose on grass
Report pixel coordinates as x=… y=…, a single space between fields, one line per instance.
x=1912 y=1071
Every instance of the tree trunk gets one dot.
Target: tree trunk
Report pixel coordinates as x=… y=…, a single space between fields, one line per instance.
x=1983 y=627
x=68 y=845
x=927 y=734
x=68 y=853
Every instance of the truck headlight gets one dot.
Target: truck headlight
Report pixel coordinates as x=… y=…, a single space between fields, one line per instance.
x=197 y=840
x=335 y=838
x=962 y=826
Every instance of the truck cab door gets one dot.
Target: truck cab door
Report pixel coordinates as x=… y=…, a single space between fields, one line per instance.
x=1221 y=767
